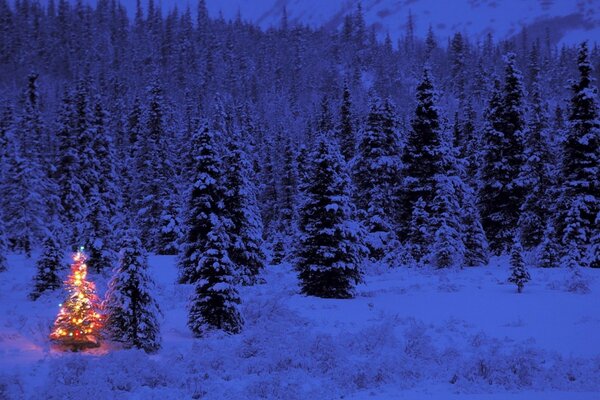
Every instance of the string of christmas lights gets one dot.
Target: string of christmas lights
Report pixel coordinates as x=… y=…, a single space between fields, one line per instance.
x=79 y=320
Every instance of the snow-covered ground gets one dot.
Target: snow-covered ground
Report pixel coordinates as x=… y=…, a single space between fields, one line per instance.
x=409 y=334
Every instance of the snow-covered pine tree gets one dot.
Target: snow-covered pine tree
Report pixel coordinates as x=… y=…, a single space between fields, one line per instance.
x=67 y=167
x=329 y=254
x=537 y=173
x=518 y=271
x=246 y=251
x=50 y=261
x=156 y=172
x=500 y=194
x=575 y=235
x=474 y=238
x=24 y=206
x=377 y=175
x=132 y=313
x=102 y=195
x=205 y=202
x=548 y=251
x=581 y=158
x=447 y=248
x=422 y=159
x=216 y=301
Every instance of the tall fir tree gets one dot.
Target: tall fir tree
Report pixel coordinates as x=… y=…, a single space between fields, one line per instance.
x=422 y=158
x=447 y=248
x=241 y=207
x=537 y=174
x=50 y=261
x=581 y=161
x=103 y=197
x=204 y=204
x=329 y=257
x=133 y=314
x=67 y=168
x=500 y=193
x=377 y=175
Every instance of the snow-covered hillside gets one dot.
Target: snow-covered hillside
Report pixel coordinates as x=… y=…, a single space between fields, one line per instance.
x=567 y=20
x=408 y=334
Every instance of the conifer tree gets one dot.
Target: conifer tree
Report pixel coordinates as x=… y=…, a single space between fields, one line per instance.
x=329 y=254
x=241 y=208
x=46 y=278
x=377 y=170
x=103 y=197
x=422 y=158
x=500 y=193
x=447 y=248
x=536 y=174
x=132 y=312
x=205 y=202
x=157 y=174
x=581 y=163
x=25 y=207
x=519 y=274
x=215 y=302
x=575 y=235
x=474 y=238
x=67 y=169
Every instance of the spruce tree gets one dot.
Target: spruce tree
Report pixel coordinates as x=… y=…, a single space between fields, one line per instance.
x=205 y=202
x=329 y=254
x=103 y=197
x=216 y=301
x=132 y=312
x=376 y=174
x=536 y=174
x=67 y=168
x=422 y=158
x=575 y=235
x=581 y=163
x=46 y=278
x=24 y=207
x=156 y=172
x=500 y=193
x=519 y=275
x=474 y=238
x=241 y=208
x=447 y=248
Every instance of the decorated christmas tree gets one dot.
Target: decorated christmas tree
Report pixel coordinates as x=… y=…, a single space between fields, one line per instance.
x=79 y=321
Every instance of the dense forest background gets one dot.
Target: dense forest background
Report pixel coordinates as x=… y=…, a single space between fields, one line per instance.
x=435 y=151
